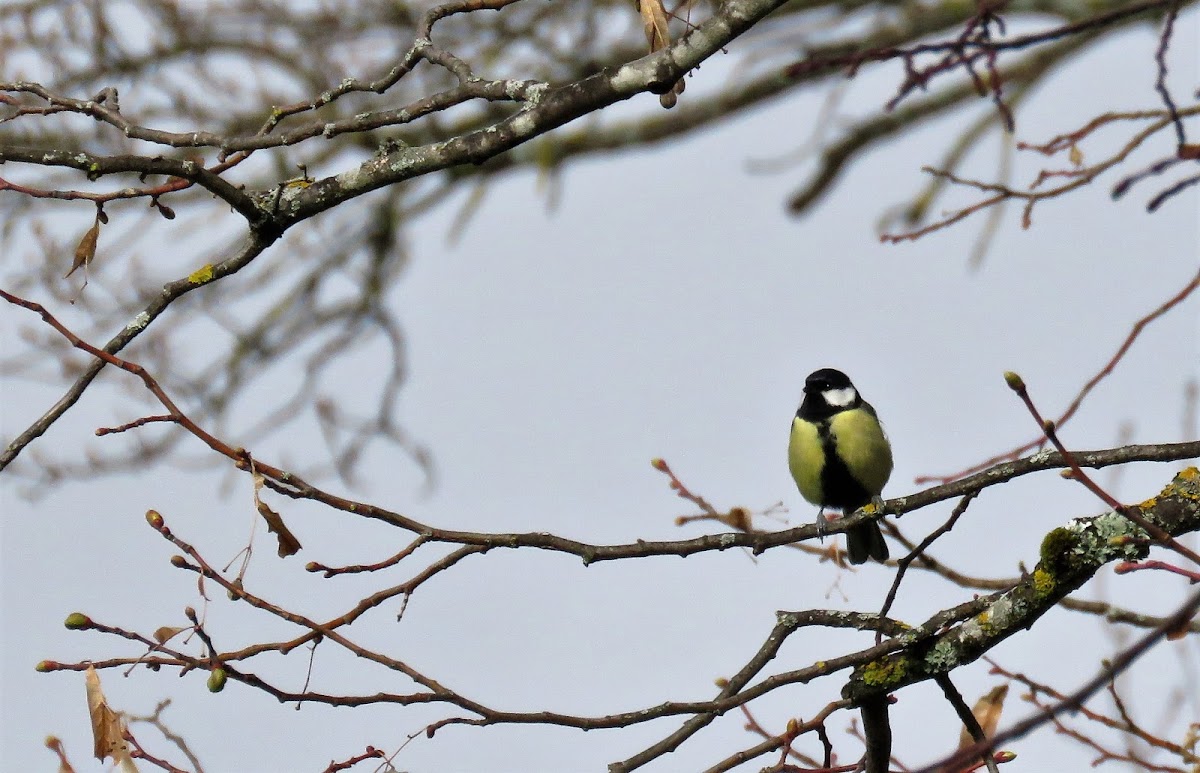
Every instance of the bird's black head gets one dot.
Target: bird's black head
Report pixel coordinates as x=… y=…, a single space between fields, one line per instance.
x=825 y=379
x=827 y=391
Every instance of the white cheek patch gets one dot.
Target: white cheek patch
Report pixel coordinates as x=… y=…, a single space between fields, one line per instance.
x=840 y=398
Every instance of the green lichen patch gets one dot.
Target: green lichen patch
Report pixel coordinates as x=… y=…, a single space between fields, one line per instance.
x=1113 y=537
x=886 y=672
x=943 y=657
x=1057 y=548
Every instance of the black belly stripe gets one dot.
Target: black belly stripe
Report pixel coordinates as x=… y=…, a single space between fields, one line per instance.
x=840 y=489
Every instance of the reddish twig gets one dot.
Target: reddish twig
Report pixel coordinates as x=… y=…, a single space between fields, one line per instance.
x=1062 y=142
x=816 y=724
x=1154 y=530
x=156 y=721
x=55 y=745
x=967 y=46
x=682 y=491
x=1125 y=724
x=1076 y=178
x=1128 y=567
x=151 y=384
x=371 y=753
x=1084 y=391
x=139 y=753
x=330 y=571
x=786 y=739
x=102 y=431
x=153 y=192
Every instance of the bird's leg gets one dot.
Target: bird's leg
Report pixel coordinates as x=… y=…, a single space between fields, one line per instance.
x=822 y=524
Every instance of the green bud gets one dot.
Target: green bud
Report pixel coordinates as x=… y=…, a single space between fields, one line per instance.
x=1015 y=382
x=77 y=621
x=217 y=679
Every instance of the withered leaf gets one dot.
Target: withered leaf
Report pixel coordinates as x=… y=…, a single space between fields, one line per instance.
x=165 y=633
x=108 y=731
x=86 y=251
x=1175 y=634
x=658 y=36
x=987 y=713
x=654 y=20
x=288 y=544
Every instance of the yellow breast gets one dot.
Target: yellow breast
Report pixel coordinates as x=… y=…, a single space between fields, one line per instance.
x=805 y=459
x=864 y=448
x=860 y=443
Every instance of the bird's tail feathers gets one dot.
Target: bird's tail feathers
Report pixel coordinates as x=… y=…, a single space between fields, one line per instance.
x=865 y=541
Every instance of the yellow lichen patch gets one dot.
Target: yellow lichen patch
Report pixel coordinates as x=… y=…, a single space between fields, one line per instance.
x=1183 y=485
x=880 y=673
x=1043 y=583
x=202 y=275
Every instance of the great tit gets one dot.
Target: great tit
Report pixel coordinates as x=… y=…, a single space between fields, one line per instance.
x=840 y=456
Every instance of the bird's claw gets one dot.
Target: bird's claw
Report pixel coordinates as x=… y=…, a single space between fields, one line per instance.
x=822 y=525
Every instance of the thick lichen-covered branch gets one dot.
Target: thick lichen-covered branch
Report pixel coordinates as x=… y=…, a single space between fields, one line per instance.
x=1070 y=556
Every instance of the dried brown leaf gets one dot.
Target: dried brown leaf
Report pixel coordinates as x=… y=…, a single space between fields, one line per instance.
x=167 y=632
x=108 y=731
x=987 y=712
x=86 y=250
x=1175 y=634
x=654 y=20
x=288 y=544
